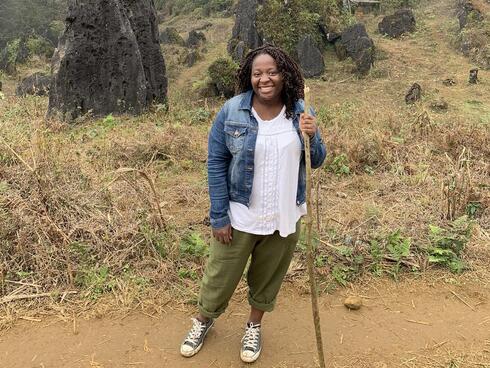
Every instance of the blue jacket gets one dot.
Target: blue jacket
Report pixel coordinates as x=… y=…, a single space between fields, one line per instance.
x=231 y=150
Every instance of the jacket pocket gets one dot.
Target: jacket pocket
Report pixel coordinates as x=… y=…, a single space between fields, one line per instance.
x=235 y=137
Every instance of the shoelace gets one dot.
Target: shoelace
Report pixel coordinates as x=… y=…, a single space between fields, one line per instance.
x=251 y=338
x=195 y=333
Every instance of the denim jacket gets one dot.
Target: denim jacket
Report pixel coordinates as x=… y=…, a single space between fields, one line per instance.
x=231 y=150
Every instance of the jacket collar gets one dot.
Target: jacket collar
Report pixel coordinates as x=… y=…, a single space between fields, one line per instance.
x=246 y=103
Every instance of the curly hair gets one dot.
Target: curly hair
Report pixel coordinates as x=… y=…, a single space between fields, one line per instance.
x=293 y=81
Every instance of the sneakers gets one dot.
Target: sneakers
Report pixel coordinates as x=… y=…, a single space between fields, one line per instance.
x=251 y=343
x=195 y=338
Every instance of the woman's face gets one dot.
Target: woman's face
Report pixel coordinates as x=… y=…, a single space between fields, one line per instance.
x=267 y=81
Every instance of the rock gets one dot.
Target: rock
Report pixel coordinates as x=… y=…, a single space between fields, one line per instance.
x=36 y=84
x=466 y=12
x=0 y=86
x=195 y=39
x=449 y=82
x=353 y=302
x=170 y=36
x=15 y=52
x=403 y=21
x=439 y=105
x=244 y=36
x=413 y=94
x=473 y=79
x=108 y=60
x=332 y=37
x=357 y=45
x=310 y=57
x=191 y=58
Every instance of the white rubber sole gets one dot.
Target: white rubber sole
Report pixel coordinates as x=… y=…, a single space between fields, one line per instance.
x=251 y=359
x=188 y=354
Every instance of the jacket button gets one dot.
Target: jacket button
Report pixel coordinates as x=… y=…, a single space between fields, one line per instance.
x=237 y=133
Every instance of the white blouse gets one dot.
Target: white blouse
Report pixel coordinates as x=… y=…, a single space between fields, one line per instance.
x=276 y=165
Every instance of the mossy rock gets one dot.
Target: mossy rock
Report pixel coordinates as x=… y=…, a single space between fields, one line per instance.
x=170 y=36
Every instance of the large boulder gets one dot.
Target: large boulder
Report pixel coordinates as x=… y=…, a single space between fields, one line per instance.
x=36 y=84
x=108 y=60
x=356 y=43
x=244 y=36
x=310 y=57
x=403 y=21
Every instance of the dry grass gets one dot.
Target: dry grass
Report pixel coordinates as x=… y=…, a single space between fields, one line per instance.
x=103 y=207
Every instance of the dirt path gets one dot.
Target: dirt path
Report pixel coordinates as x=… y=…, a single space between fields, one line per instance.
x=409 y=324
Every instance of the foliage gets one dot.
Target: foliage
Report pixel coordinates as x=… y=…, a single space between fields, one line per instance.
x=97 y=280
x=446 y=245
x=283 y=24
x=175 y=7
x=39 y=46
x=339 y=165
x=222 y=73
x=193 y=245
x=397 y=4
x=26 y=17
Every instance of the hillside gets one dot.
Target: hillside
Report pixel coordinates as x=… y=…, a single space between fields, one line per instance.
x=109 y=217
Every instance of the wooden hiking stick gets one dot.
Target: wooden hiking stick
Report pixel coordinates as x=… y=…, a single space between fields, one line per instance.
x=309 y=245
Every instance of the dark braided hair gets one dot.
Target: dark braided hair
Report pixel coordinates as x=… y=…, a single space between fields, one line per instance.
x=293 y=81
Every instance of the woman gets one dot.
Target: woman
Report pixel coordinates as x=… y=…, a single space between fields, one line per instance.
x=257 y=180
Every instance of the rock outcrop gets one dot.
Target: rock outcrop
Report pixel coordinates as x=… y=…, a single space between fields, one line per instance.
x=36 y=84
x=356 y=44
x=195 y=39
x=414 y=93
x=245 y=36
x=466 y=12
x=310 y=57
x=108 y=60
x=403 y=21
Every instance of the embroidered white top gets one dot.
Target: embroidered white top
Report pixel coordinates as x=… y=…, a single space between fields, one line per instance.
x=276 y=166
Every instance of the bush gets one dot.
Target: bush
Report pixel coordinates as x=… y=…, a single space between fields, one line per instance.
x=206 y=7
x=39 y=46
x=55 y=28
x=170 y=36
x=222 y=73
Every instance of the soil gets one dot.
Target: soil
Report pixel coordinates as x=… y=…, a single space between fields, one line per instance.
x=412 y=323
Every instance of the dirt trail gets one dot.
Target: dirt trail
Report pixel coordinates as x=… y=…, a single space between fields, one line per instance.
x=408 y=324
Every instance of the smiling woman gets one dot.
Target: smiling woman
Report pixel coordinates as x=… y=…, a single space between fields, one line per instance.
x=257 y=178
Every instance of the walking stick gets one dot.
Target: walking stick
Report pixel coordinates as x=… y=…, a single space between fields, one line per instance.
x=309 y=245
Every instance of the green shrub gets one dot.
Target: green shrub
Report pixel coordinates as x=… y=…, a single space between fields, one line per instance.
x=193 y=245
x=39 y=46
x=284 y=25
x=222 y=73
x=447 y=245
x=55 y=28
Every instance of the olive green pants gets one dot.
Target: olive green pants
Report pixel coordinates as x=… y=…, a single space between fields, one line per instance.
x=271 y=256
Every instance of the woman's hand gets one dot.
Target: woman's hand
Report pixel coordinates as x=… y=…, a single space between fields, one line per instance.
x=307 y=124
x=223 y=235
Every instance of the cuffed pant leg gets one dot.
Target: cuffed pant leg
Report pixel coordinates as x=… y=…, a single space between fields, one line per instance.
x=270 y=262
x=223 y=271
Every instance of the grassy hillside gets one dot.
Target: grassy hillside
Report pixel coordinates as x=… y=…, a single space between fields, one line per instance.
x=117 y=207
